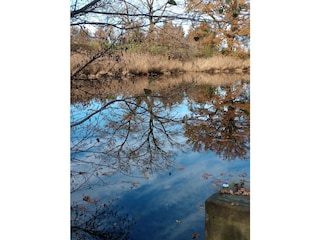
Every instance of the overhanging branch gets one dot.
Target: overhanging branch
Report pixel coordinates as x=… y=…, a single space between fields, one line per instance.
x=83 y=9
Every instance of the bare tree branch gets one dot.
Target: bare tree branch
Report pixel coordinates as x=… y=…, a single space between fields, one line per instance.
x=84 y=8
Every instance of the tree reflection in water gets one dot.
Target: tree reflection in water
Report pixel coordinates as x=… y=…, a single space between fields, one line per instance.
x=221 y=120
x=138 y=135
x=94 y=221
x=134 y=136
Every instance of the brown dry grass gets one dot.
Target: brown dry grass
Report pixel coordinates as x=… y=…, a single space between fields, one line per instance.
x=128 y=64
x=218 y=64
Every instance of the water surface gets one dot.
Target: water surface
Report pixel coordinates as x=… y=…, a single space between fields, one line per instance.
x=144 y=162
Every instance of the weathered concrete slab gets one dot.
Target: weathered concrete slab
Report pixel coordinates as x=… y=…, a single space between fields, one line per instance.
x=227 y=217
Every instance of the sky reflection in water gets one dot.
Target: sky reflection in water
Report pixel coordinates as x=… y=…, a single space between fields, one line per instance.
x=159 y=203
x=165 y=204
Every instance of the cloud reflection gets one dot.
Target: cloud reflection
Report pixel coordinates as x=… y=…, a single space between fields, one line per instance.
x=162 y=200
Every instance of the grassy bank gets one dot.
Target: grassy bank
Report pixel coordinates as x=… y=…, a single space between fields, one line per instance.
x=127 y=64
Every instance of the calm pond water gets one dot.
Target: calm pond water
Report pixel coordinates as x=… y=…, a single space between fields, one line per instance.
x=146 y=154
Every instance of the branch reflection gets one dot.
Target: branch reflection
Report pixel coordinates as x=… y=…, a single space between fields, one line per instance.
x=91 y=220
x=135 y=136
x=220 y=120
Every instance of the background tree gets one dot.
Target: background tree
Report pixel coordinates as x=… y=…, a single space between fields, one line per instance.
x=170 y=41
x=155 y=27
x=203 y=38
x=229 y=26
x=100 y=33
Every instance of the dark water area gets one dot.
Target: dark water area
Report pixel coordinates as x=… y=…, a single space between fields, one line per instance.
x=143 y=163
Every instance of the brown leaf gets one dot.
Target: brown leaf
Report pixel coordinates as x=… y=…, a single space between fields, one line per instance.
x=195 y=235
x=87 y=199
x=206 y=175
x=110 y=173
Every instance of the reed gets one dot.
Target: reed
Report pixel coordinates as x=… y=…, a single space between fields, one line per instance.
x=133 y=64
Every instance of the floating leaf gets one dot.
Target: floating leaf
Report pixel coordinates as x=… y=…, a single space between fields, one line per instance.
x=206 y=175
x=195 y=235
x=108 y=173
x=242 y=175
x=83 y=209
x=145 y=175
x=87 y=199
x=133 y=184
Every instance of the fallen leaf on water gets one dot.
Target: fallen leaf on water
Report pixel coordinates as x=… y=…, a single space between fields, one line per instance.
x=196 y=235
x=206 y=175
x=180 y=167
x=108 y=173
x=83 y=209
x=87 y=199
x=242 y=175
x=133 y=184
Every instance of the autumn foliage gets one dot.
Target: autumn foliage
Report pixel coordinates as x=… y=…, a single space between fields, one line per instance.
x=218 y=40
x=229 y=28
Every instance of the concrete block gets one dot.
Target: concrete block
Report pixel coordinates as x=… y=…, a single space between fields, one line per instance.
x=227 y=217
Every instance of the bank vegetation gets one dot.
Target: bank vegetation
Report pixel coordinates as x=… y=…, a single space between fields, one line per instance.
x=148 y=38
x=143 y=64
